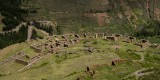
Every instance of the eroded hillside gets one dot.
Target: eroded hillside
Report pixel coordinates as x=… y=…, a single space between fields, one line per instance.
x=122 y=16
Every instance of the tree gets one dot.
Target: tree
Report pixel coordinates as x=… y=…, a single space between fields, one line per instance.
x=12 y=12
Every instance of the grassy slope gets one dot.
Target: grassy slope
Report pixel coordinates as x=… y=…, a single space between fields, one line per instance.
x=71 y=22
x=71 y=62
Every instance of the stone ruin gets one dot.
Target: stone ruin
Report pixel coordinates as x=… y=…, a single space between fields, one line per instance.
x=90 y=49
x=90 y=35
x=49 y=46
x=126 y=40
x=12 y=58
x=69 y=36
x=154 y=45
x=119 y=61
x=77 y=36
x=84 y=35
x=143 y=43
x=111 y=38
x=55 y=42
x=38 y=48
x=22 y=61
x=64 y=37
x=22 y=58
x=140 y=45
x=130 y=39
x=100 y=35
x=66 y=45
x=71 y=41
x=118 y=36
x=89 y=72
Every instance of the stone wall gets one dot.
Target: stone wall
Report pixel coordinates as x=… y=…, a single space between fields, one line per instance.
x=21 y=61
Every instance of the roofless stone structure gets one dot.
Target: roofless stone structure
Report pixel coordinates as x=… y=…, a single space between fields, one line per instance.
x=54 y=43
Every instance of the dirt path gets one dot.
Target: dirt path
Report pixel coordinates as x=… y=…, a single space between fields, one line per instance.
x=15 y=29
x=139 y=73
x=30 y=30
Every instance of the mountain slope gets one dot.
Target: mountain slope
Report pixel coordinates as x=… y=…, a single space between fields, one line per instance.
x=71 y=63
x=81 y=15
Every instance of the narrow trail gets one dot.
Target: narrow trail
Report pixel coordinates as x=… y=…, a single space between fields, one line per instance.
x=139 y=73
x=30 y=30
x=15 y=29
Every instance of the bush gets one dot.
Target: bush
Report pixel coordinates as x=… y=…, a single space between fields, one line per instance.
x=150 y=29
x=15 y=37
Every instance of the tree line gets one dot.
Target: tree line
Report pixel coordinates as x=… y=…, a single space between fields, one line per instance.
x=13 y=13
x=15 y=37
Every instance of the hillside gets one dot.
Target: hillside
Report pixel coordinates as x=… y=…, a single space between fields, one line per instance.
x=106 y=58
x=139 y=18
x=80 y=40
x=120 y=16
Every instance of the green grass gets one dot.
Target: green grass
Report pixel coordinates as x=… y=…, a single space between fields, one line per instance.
x=154 y=76
x=30 y=51
x=128 y=55
x=115 y=72
x=40 y=33
x=13 y=49
x=71 y=62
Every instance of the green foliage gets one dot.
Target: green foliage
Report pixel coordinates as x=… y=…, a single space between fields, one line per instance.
x=12 y=12
x=58 y=29
x=10 y=23
x=152 y=28
x=154 y=39
x=48 y=29
x=34 y=34
x=15 y=37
